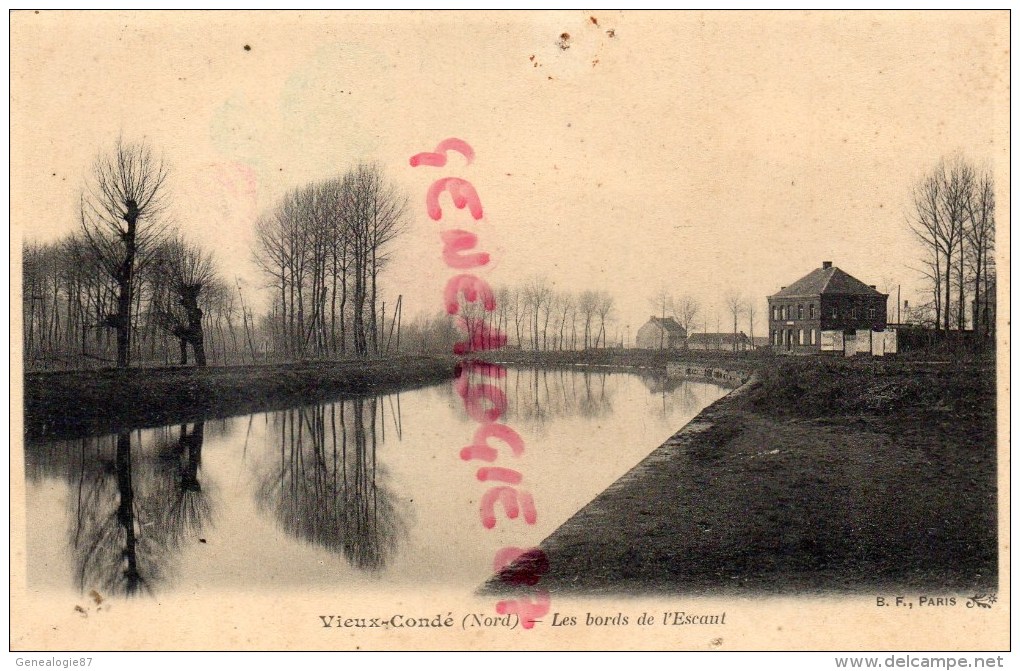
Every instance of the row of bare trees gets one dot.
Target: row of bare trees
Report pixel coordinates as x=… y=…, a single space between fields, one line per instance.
x=532 y=315
x=71 y=305
x=125 y=287
x=323 y=249
x=536 y=316
x=954 y=220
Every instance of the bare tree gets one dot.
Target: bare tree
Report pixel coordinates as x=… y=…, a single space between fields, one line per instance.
x=735 y=304
x=603 y=307
x=121 y=205
x=751 y=311
x=953 y=219
x=587 y=304
x=959 y=187
x=565 y=308
x=538 y=296
x=979 y=234
x=685 y=311
x=324 y=248
x=182 y=275
x=662 y=302
x=927 y=227
x=519 y=311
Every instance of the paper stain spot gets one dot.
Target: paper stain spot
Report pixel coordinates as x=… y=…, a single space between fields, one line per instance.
x=96 y=596
x=594 y=20
x=611 y=33
x=716 y=642
x=247 y=47
x=564 y=42
x=82 y=611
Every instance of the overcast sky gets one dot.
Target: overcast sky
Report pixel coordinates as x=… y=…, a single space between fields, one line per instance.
x=700 y=151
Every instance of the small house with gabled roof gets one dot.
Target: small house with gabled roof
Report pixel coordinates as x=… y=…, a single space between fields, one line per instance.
x=826 y=299
x=659 y=333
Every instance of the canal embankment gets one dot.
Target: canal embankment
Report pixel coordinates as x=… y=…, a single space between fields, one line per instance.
x=79 y=403
x=64 y=404
x=816 y=476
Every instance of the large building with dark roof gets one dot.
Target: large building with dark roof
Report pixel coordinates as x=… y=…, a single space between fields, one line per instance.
x=826 y=299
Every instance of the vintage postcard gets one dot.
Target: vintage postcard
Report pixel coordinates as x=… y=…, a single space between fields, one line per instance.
x=525 y=330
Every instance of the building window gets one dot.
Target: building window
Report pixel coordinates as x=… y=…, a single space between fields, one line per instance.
x=871 y=313
x=835 y=312
x=853 y=313
x=812 y=336
x=775 y=313
x=801 y=337
x=811 y=311
x=800 y=312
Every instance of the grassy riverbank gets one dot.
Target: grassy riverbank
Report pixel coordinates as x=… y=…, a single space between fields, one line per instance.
x=65 y=404
x=823 y=475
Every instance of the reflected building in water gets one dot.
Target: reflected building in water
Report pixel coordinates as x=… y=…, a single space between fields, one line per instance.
x=676 y=393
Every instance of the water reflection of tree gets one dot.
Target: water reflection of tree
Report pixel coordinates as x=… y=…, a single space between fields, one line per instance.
x=539 y=396
x=178 y=483
x=324 y=489
x=131 y=515
x=542 y=395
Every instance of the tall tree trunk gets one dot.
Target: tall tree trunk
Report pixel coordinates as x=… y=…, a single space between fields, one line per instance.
x=948 y=289
x=125 y=282
x=374 y=275
x=961 y=317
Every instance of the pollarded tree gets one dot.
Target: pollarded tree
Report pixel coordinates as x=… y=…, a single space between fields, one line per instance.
x=124 y=196
x=182 y=276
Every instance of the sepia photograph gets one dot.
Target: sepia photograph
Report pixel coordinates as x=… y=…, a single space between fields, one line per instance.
x=510 y=330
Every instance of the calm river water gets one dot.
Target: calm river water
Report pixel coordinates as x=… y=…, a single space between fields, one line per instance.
x=348 y=493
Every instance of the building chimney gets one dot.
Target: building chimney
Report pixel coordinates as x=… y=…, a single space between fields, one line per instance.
x=781 y=288
x=826 y=265
x=873 y=287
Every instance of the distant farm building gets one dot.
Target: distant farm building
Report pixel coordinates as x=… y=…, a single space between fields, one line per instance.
x=827 y=309
x=659 y=333
x=728 y=342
